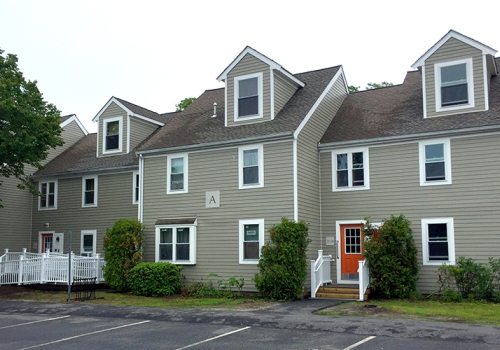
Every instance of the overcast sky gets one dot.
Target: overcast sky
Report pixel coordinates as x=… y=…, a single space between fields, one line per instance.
x=155 y=53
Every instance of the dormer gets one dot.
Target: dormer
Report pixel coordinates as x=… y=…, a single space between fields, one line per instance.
x=256 y=88
x=122 y=126
x=456 y=75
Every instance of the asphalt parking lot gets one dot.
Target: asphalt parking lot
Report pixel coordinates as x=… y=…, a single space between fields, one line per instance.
x=25 y=325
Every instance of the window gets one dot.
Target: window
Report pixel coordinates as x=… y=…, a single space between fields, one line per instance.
x=135 y=187
x=435 y=162
x=176 y=243
x=89 y=191
x=88 y=243
x=177 y=174
x=248 y=96
x=251 y=240
x=438 y=241
x=350 y=170
x=48 y=198
x=251 y=166
x=112 y=135
x=454 y=85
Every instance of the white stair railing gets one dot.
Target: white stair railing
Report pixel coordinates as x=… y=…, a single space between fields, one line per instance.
x=320 y=272
x=364 y=278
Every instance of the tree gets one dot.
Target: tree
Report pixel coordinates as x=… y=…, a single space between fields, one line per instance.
x=29 y=126
x=184 y=103
x=383 y=84
x=353 y=88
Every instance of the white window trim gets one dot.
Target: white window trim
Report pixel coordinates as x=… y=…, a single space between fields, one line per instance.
x=260 y=149
x=447 y=162
x=84 y=205
x=105 y=131
x=135 y=174
x=366 y=167
x=192 y=243
x=470 y=85
x=450 y=232
x=260 y=85
x=55 y=195
x=169 y=169
x=242 y=224
x=94 y=241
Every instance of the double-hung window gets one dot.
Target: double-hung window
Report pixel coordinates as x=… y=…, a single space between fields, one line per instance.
x=176 y=243
x=89 y=191
x=251 y=240
x=135 y=187
x=435 y=162
x=88 y=243
x=350 y=169
x=177 y=174
x=112 y=135
x=438 y=241
x=48 y=198
x=251 y=166
x=248 y=96
x=454 y=85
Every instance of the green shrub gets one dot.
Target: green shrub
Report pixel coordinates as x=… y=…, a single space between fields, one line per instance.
x=224 y=288
x=153 y=279
x=122 y=251
x=471 y=280
x=283 y=261
x=392 y=257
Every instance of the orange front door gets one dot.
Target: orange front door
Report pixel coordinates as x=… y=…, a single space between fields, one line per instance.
x=47 y=242
x=351 y=250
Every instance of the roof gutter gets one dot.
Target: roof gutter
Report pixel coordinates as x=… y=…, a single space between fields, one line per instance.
x=85 y=172
x=280 y=136
x=380 y=140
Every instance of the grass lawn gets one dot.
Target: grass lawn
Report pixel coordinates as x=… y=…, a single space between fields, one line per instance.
x=427 y=310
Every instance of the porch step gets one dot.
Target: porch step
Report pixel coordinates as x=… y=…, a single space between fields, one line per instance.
x=340 y=292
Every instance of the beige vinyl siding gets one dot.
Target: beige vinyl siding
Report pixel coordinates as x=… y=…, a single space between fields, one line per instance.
x=471 y=200
x=283 y=91
x=217 y=245
x=114 y=201
x=248 y=65
x=71 y=134
x=491 y=69
x=139 y=130
x=307 y=163
x=452 y=50
x=112 y=111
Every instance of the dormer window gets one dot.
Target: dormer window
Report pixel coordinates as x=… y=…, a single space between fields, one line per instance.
x=248 y=96
x=454 y=85
x=112 y=135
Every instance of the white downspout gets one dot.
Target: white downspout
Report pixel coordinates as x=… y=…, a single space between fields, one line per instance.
x=141 y=189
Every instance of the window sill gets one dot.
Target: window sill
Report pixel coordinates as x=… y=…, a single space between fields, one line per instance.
x=246 y=187
x=249 y=262
x=248 y=117
x=436 y=183
x=41 y=209
x=454 y=107
x=112 y=151
x=438 y=263
x=347 y=189
x=89 y=206
x=175 y=192
x=178 y=262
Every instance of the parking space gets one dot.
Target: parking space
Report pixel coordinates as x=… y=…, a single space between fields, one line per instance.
x=76 y=332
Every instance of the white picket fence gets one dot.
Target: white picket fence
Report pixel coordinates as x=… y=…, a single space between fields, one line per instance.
x=31 y=268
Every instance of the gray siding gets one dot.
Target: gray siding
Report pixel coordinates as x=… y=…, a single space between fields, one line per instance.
x=454 y=49
x=111 y=112
x=139 y=130
x=114 y=201
x=471 y=200
x=71 y=133
x=308 y=164
x=248 y=65
x=283 y=91
x=218 y=228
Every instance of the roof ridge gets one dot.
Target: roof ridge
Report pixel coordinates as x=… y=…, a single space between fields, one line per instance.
x=122 y=100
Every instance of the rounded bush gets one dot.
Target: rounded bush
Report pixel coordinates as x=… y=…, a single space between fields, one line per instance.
x=154 y=279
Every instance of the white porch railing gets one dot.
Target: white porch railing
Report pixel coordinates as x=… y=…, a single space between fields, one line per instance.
x=364 y=278
x=320 y=272
x=30 y=268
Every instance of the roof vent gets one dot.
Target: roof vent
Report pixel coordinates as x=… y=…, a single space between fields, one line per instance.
x=215 y=110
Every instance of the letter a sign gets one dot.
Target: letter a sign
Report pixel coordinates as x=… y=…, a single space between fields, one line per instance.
x=212 y=199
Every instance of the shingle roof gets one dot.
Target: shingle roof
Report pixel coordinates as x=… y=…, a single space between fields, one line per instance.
x=65 y=117
x=81 y=157
x=398 y=111
x=195 y=124
x=142 y=111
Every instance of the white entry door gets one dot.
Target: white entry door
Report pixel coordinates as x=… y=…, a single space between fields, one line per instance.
x=58 y=243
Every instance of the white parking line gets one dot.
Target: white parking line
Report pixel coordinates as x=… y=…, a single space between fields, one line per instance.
x=210 y=339
x=360 y=342
x=84 y=335
x=22 y=324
